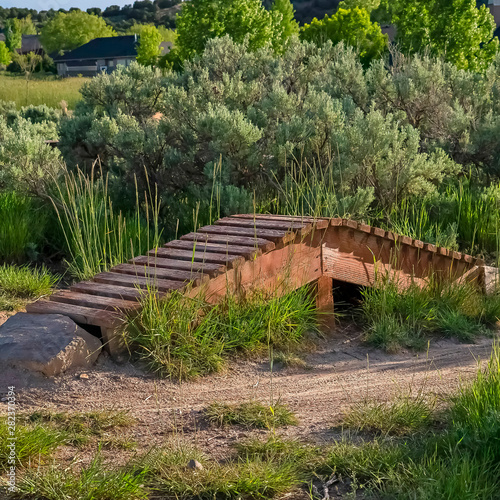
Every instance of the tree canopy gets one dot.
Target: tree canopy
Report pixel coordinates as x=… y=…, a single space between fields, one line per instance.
x=457 y=30
x=13 y=34
x=69 y=31
x=202 y=20
x=149 y=49
x=4 y=54
x=352 y=26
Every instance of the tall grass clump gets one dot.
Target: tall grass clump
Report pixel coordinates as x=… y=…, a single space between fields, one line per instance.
x=313 y=190
x=394 y=318
x=250 y=414
x=463 y=215
x=33 y=441
x=182 y=337
x=96 y=236
x=240 y=477
x=93 y=481
x=22 y=226
x=21 y=284
x=406 y=414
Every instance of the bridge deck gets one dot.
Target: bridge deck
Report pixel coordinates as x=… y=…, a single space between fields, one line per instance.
x=245 y=252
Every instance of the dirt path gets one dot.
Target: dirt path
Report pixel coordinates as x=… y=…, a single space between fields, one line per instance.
x=339 y=373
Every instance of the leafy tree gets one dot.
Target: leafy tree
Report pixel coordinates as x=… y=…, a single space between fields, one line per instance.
x=352 y=26
x=201 y=20
x=149 y=49
x=368 y=5
x=285 y=25
x=4 y=54
x=26 y=26
x=69 y=31
x=167 y=35
x=454 y=29
x=13 y=34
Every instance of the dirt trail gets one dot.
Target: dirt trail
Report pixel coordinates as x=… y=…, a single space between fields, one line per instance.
x=339 y=373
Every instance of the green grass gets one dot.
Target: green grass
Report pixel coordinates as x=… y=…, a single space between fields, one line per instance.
x=404 y=415
x=47 y=90
x=95 y=481
x=251 y=414
x=248 y=477
x=21 y=284
x=393 y=318
x=22 y=226
x=33 y=442
x=81 y=427
x=183 y=338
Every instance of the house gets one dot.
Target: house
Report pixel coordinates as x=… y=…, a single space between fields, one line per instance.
x=29 y=43
x=494 y=6
x=101 y=55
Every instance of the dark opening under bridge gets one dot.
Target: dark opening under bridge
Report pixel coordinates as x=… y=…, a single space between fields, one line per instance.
x=245 y=252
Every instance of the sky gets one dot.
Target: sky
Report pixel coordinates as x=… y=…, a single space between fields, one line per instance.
x=62 y=4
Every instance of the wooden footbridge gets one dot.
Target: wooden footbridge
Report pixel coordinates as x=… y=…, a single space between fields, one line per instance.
x=245 y=252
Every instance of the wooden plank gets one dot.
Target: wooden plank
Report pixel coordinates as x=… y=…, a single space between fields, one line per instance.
x=79 y=314
x=133 y=281
x=161 y=274
x=212 y=258
x=202 y=267
x=102 y=290
x=247 y=252
x=317 y=222
x=225 y=239
x=83 y=299
x=302 y=228
x=279 y=237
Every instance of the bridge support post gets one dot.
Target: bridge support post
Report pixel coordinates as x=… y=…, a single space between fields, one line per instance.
x=324 y=301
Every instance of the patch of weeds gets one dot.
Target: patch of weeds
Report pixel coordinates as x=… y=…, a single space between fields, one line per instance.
x=95 y=481
x=182 y=337
x=251 y=414
x=177 y=336
x=32 y=441
x=170 y=477
x=289 y=360
x=453 y=323
x=395 y=318
x=117 y=443
x=475 y=409
x=369 y=462
x=306 y=457
x=406 y=414
x=18 y=284
x=79 y=427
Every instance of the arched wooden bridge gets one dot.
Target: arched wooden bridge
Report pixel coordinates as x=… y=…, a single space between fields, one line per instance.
x=245 y=252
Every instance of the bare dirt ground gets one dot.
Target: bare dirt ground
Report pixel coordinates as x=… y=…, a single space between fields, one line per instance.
x=340 y=372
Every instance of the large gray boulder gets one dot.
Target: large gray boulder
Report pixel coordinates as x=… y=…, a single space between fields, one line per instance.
x=47 y=343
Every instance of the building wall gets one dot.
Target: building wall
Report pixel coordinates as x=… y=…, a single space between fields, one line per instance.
x=89 y=69
x=495 y=10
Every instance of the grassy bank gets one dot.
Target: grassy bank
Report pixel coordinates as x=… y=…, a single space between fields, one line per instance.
x=48 y=90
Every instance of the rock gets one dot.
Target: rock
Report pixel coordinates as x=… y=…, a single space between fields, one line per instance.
x=195 y=465
x=47 y=343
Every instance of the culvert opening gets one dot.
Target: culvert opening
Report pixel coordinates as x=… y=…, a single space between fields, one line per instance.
x=92 y=329
x=346 y=296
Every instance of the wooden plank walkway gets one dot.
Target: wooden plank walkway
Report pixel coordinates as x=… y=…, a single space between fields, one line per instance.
x=246 y=252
